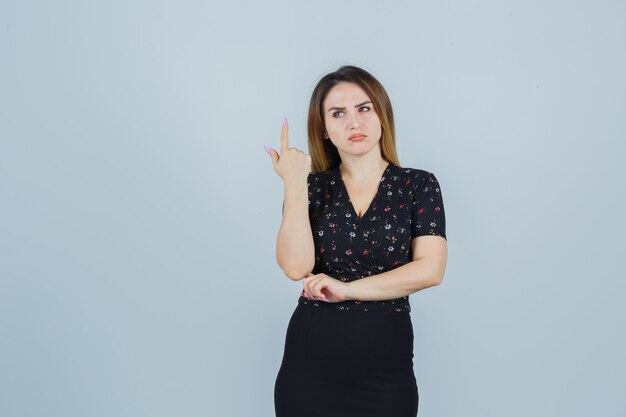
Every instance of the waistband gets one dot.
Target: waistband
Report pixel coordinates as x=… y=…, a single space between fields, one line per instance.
x=367 y=307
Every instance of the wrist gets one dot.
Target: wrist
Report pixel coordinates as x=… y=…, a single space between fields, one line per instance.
x=295 y=182
x=296 y=192
x=351 y=290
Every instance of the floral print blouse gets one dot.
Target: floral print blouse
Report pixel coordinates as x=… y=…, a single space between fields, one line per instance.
x=407 y=204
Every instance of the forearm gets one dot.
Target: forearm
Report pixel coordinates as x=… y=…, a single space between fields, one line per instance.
x=295 y=250
x=399 y=282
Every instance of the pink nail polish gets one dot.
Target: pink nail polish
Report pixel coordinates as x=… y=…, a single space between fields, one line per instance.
x=285 y=122
x=267 y=149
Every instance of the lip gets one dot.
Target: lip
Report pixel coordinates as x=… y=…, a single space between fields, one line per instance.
x=357 y=136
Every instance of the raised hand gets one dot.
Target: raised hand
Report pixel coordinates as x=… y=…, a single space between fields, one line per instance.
x=291 y=164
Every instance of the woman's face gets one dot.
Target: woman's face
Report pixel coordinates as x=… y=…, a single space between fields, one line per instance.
x=349 y=111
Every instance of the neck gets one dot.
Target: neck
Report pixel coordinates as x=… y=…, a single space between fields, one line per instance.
x=362 y=167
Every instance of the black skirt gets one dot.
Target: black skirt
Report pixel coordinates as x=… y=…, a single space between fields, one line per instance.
x=343 y=363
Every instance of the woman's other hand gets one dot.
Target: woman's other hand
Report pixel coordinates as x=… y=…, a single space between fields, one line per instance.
x=291 y=164
x=325 y=288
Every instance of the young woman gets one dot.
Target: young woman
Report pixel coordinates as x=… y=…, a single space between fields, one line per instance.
x=361 y=233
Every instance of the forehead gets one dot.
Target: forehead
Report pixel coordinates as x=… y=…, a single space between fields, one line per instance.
x=345 y=94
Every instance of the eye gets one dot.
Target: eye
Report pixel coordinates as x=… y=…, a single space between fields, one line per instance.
x=335 y=113
x=364 y=107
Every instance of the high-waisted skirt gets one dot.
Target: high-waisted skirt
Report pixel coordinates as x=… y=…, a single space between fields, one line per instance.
x=344 y=363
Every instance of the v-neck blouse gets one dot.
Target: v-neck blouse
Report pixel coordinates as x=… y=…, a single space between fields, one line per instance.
x=407 y=204
x=344 y=191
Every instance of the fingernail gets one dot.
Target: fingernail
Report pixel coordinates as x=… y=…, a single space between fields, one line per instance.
x=285 y=122
x=267 y=149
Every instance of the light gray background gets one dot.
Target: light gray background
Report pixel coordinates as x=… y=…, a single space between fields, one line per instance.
x=139 y=211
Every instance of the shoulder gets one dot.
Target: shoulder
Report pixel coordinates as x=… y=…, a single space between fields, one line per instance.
x=412 y=172
x=416 y=178
x=318 y=181
x=319 y=176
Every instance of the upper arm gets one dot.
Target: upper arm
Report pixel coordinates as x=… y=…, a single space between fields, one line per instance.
x=433 y=249
x=433 y=252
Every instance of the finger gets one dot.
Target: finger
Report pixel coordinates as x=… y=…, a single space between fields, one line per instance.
x=273 y=155
x=311 y=287
x=284 y=136
x=309 y=282
x=317 y=290
x=322 y=297
x=307 y=289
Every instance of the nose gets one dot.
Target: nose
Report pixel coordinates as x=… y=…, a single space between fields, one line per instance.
x=353 y=121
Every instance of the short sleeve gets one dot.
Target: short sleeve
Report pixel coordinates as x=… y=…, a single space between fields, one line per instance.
x=428 y=216
x=314 y=191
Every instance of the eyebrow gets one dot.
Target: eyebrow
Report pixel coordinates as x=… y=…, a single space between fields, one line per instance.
x=343 y=108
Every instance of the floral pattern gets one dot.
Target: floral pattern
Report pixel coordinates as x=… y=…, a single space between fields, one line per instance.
x=407 y=204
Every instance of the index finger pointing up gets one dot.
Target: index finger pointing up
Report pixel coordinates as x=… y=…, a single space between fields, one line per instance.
x=284 y=142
